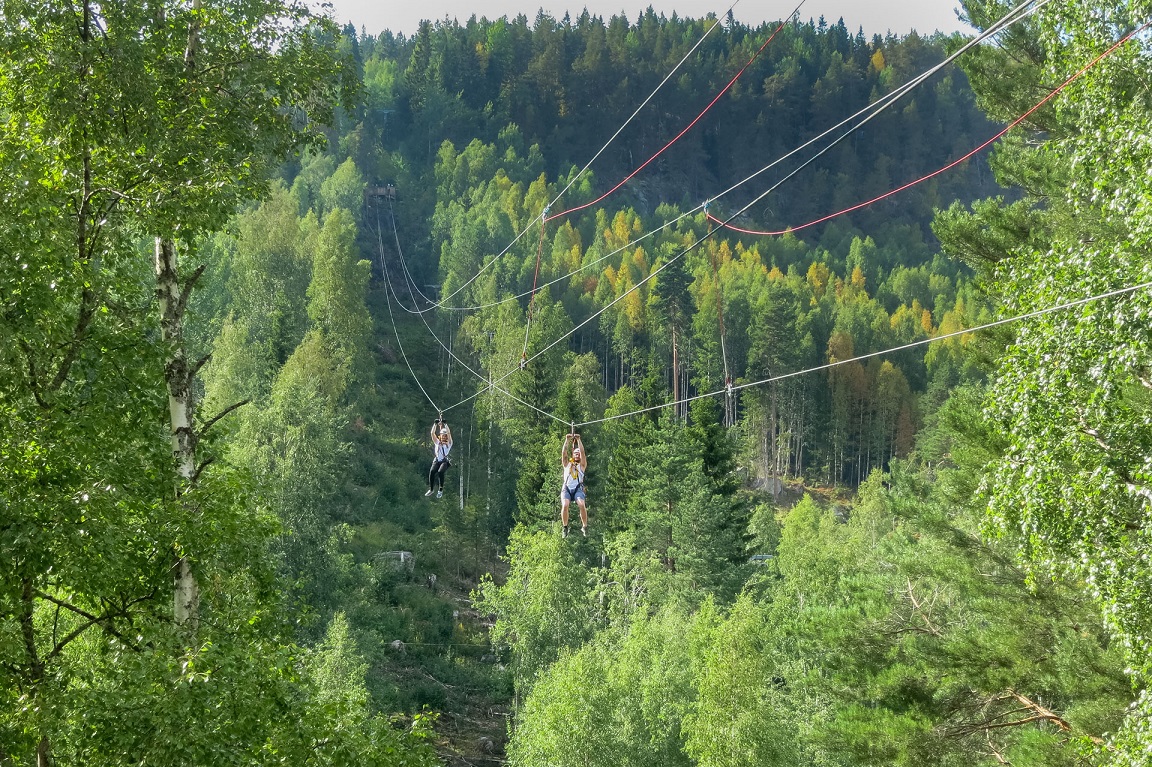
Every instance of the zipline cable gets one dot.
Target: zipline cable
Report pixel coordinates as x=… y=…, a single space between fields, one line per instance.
x=392 y=317
x=913 y=344
x=1020 y=12
x=584 y=170
x=740 y=212
x=688 y=127
x=390 y=288
x=404 y=263
x=955 y=162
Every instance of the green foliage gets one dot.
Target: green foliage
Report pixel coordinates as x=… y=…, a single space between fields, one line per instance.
x=337 y=291
x=343 y=189
x=743 y=716
x=542 y=607
x=624 y=701
x=884 y=631
x=1069 y=392
x=121 y=122
x=887 y=633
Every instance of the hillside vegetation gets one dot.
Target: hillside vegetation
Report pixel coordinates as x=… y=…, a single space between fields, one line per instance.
x=867 y=484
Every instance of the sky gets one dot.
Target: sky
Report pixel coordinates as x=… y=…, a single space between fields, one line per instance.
x=875 y=16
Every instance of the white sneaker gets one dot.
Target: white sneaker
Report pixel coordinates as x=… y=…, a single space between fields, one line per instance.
x=428 y=493
x=439 y=493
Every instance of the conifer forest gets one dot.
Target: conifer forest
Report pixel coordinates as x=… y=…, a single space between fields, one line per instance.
x=854 y=333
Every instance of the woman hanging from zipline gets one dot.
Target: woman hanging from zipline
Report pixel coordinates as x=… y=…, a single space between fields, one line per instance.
x=441 y=445
x=573 y=464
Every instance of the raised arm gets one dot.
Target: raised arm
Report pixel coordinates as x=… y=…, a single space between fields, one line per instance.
x=434 y=425
x=583 y=453
x=446 y=430
x=564 y=450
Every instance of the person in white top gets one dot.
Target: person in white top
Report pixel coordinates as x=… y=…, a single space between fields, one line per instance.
x=441 y=445
x=573 y=464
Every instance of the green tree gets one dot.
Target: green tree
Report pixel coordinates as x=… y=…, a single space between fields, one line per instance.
x=124 y=120
x=343 y=189
x=1069 y=392
x=745 y=714
x=337 y=290
x=542 y=608
x=627 y=696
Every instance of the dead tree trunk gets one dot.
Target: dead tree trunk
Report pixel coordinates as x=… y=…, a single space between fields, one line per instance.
x=676 y=374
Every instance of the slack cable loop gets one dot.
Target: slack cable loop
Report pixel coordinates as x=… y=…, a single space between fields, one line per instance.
x=913 y=344
x=535 y=279
x=1016 y=14
x=388 y=299
x=390 y=289
x=895 y=94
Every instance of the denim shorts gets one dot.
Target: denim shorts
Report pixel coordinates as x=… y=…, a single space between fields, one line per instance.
x=572 y=495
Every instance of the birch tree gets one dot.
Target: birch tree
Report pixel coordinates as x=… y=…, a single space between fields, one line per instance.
x=1070 y=393
x=120 y=123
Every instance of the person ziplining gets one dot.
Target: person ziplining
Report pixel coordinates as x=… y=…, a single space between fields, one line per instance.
x=441 y=445
x=573 y=464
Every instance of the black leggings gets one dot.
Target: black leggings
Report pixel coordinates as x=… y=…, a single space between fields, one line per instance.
x=438 y=470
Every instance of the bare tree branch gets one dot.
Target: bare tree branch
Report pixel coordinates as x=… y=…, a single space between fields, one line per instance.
x=212 y=421
x=204 y=465
x=103 y=621
x=189 y=285
x=199 y=364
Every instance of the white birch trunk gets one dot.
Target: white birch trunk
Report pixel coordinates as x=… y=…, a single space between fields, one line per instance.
x=178 y=376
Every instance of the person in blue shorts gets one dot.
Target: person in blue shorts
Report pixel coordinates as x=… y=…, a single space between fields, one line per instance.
x=573 y=463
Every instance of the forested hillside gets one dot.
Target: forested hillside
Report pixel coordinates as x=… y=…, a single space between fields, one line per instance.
x=864 y=398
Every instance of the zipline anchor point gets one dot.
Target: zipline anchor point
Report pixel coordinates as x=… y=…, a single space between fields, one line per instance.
x=523 y=361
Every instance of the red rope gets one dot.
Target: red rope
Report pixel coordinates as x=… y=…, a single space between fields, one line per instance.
x=679 y=135
x=720 y=315
x=535 y=278
x=950 y=165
